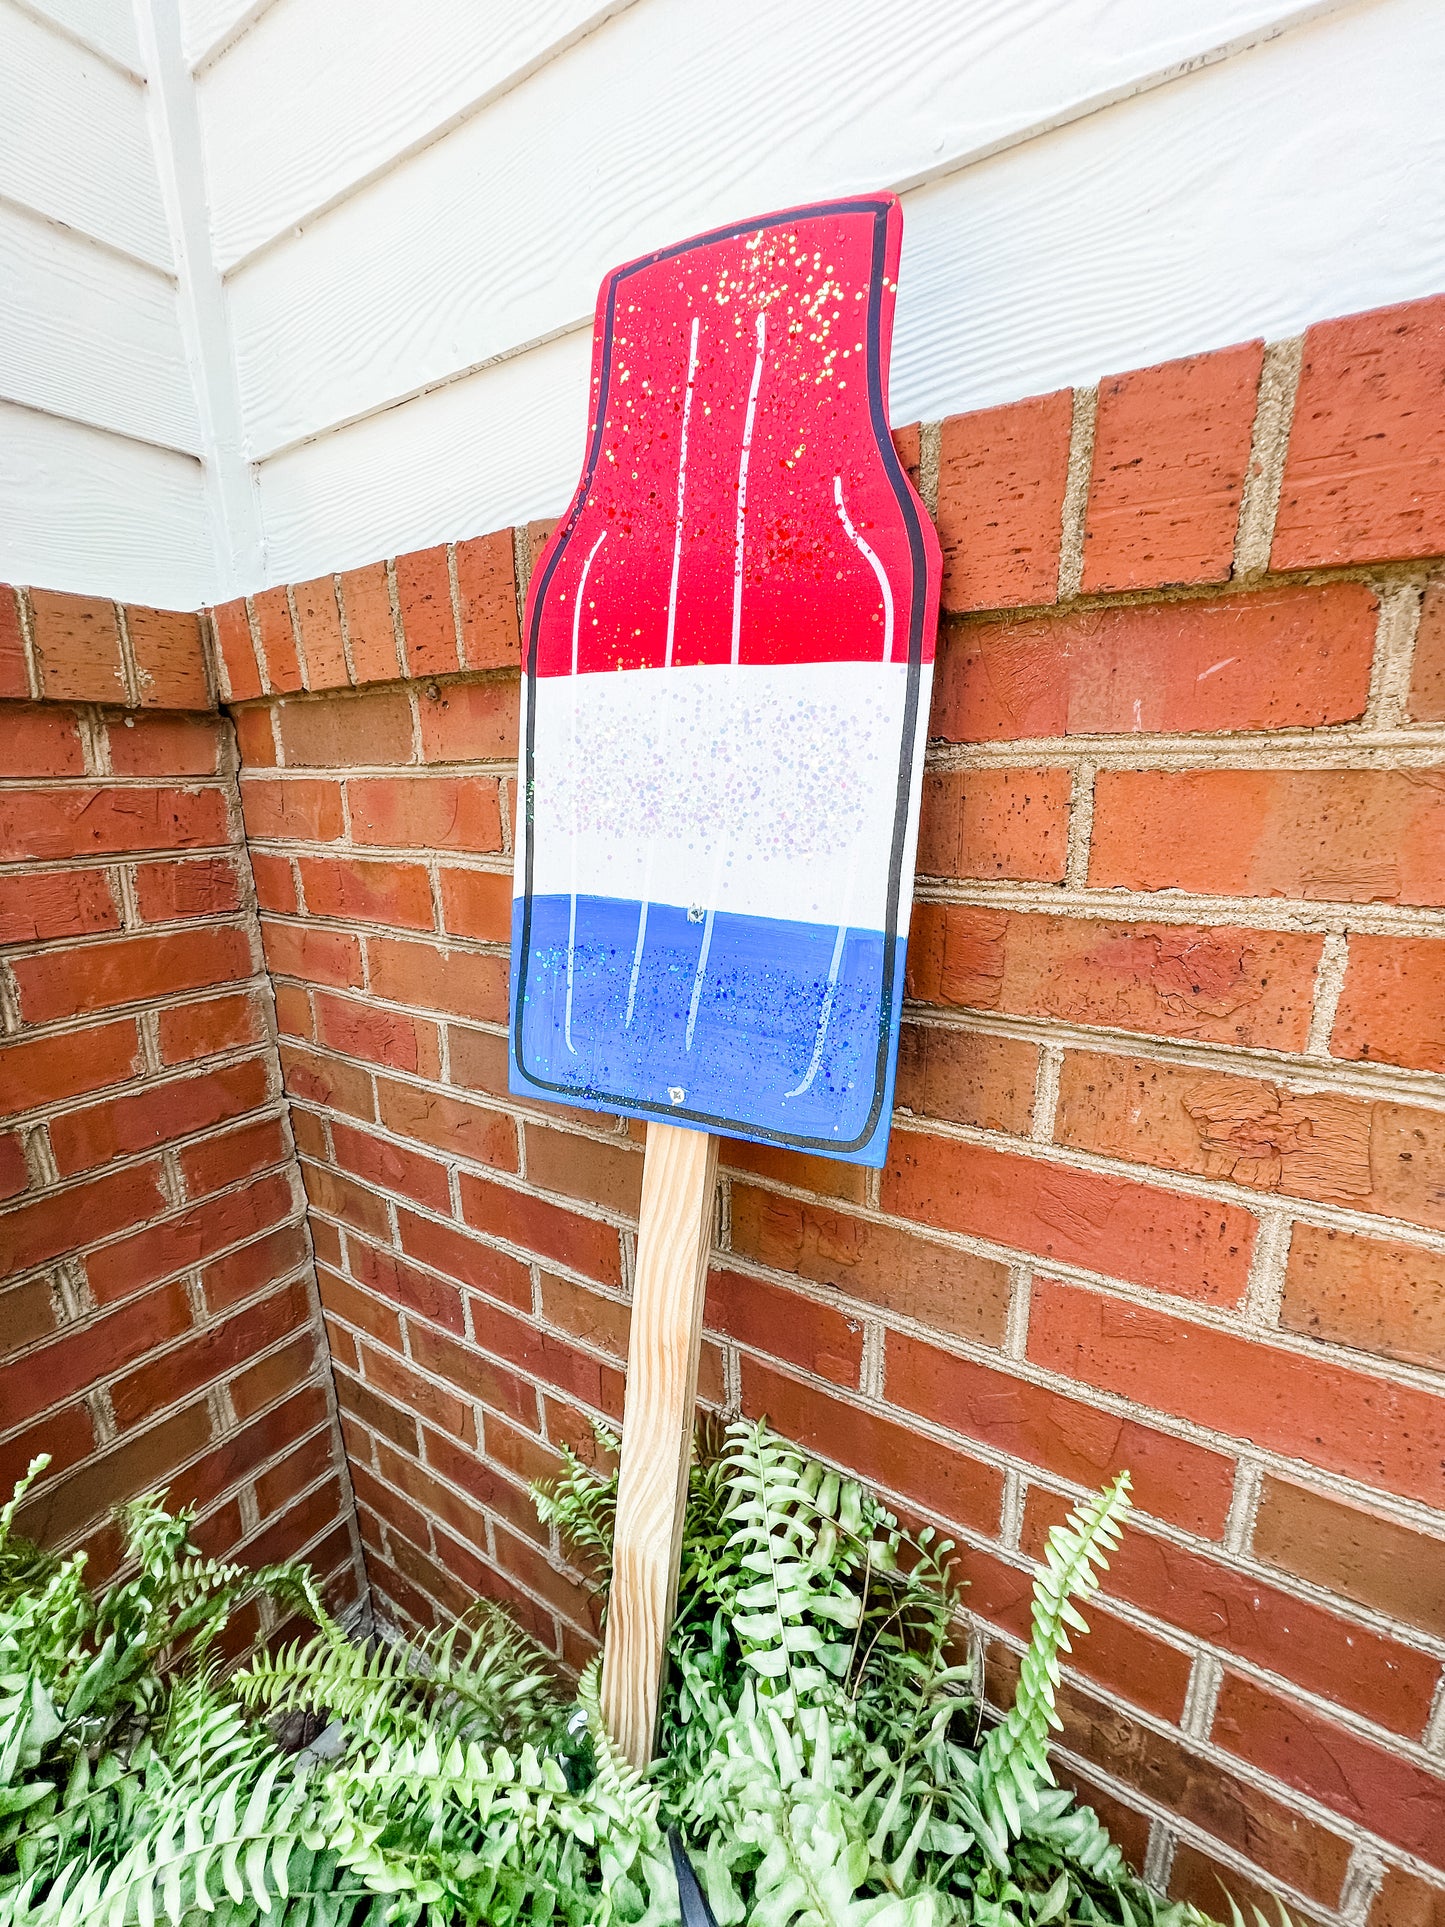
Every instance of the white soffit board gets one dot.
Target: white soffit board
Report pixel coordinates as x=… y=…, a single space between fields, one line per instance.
x=497 y=235
x=106 y=24
x=93 y=512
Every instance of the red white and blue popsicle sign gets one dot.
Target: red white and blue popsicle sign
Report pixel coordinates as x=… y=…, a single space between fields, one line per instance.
x=729 y=649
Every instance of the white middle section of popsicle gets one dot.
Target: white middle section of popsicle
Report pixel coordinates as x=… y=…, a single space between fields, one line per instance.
x=780 y=781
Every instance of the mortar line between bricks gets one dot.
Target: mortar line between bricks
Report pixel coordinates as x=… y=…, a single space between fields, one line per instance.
x=1390 y=668
x=1363 y=1876
x=1340 y=750
x=1281 y=916
x=1328 y=988
x=1082 y=421
x=1159 y=1852
x=1435 y=1724
x=61 y=1028
x=1269 y=442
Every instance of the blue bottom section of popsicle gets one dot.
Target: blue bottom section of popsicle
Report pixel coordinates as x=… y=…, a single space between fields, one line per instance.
x=754 y=1033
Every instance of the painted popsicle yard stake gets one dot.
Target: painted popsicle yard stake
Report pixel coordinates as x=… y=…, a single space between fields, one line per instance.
x=729 y=648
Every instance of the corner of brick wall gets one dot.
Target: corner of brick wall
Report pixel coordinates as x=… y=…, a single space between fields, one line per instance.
x=158 y=1317
x=1164 y=1186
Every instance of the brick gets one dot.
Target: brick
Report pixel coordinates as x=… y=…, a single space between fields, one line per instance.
x=276 y=1488
x=430 y=1401
x=77 y=647
x=578 y=1243
x=341 y=1299
x=1366 y=1428
x=1187 y=1246
x=1185 y=1484
x=155 y=1115
x=477 y=903
x=471 y=722
x=325 y=1080
x=147 y=1460
x=540 y=1354
x=237 y=652
x=1353 y=1552
x=265 y=1261
x=785 y=1325
x=82 y=1355
x=1376 y=1156
x=39 y=906
x=1391 y=1795
x=14 y=677
x=1351 y=836
x=318 y=619
x=447 y=978
x=1375 y=1297
x=271 y=610
x=1405 y=1901
x=1171 y=447
x=293 y=1011
x=465 y=1259
x=1427 y=683
x=170 y=658
x=65 y=1435
x=26 y=1313
x=479 y=1059
x=255 y=737
x=366 y=604
x=404 y=1285
x=275 y=883
x=605 y=1174
x=241 y=1153
x=885 y=1265
x=1327 y=1654
x=377 y=1412
x=424 y=597
x=1202 y=1880
x=367 y=890
x=426 y=812
x=339 y=1197
x=390 y=1037
x=340 y=732
x=272 y=1378
x=205 y=1359
x=383 y=1163
x=315 y=956
x=449 y=1124
x=196 y=1029
x=947 y=1482
x=1213 y=982
x=38 y=824
x=487 y=601
x=45 y=1070
x=1135 y=1665
x=188 y=1239
x=1364 y=478
x=1392 y=1007
x=559 y=1589
x=38 y=739
x=306 y=808
x=205 y=887
x=310 y=1135
x=1001 y=478
x=995 y=823
x=476 y=1476
x=14 y=1176
x=598 y=1320
x=65 y=1221
x=479 y=1376
x=1284 y=658
x=829 y=1177
x=128 y=970
x=166 y=746
x=966 y=1077
x=433 y=1500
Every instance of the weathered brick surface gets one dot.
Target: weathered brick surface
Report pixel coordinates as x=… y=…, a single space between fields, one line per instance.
x=156 y=1326
x=1165 y=1182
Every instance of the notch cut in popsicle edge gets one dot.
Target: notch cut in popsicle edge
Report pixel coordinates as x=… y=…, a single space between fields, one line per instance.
x=673 y=1242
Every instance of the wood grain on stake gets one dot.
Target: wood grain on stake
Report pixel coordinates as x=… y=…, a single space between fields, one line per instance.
x=674 y=1235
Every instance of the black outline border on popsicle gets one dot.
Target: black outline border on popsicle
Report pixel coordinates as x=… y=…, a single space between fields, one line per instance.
x=673 y=1113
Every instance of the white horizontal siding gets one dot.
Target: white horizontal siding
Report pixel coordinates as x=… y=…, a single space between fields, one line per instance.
x=93 y=512
x=670 y=118
x=1299 y=180
x=206 y=24
x=278 y=146
x=106 y=24
x=73 y=139
x=91 y=334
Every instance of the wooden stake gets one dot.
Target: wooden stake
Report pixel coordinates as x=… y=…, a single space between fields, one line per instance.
x=673 y=1239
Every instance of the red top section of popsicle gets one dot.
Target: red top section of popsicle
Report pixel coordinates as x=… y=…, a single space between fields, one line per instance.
x=741 y=500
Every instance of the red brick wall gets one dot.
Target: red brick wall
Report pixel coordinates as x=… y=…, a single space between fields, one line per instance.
x=1165 y=1187
x=157 y=1322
